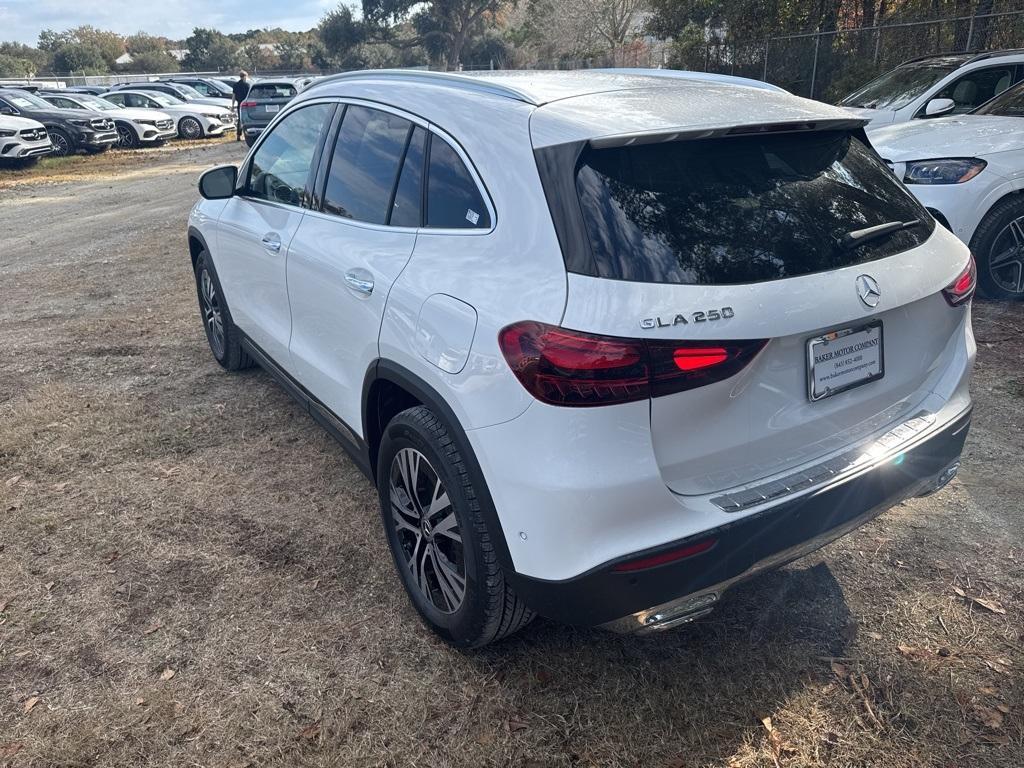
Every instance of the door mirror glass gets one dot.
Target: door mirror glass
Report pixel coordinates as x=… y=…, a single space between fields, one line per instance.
x=218 y=183
x=938 y=107
x=5 y=110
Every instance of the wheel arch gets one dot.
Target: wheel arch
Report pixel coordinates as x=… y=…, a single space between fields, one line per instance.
x=196 y=245
x=388 y=389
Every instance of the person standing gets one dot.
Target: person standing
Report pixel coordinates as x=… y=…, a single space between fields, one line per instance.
x=238 y=93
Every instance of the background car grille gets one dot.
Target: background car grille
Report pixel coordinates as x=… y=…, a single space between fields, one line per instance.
x=102 y=124
x=33 y=134
x=164 y=125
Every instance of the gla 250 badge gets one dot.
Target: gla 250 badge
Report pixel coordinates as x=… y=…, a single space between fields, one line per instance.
x=708 y=316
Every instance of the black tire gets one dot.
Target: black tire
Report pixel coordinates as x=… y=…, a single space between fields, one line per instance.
x=190 y=128
x=62 y=144
x=489 y=610
x=127 y=138
x=227 y=350
x=249 y=141
x=1000 y=232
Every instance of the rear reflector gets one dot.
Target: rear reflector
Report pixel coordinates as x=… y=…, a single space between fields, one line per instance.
x=572 y=368
x=962 y=289
x=665 y=557
x=247 y=104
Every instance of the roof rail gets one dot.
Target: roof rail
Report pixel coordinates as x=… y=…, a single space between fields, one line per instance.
x=938 y=56
x=996 y=54
x=422 y=76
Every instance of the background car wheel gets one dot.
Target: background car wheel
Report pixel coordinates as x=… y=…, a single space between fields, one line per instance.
x=249 y=141
x=221 y=333
x=998 y=246
x=439 y=539
x=190 y=128
x=62 y=146
x=127 y=138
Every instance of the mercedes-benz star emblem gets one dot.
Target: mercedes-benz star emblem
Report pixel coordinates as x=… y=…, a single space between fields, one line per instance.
x=868 y=290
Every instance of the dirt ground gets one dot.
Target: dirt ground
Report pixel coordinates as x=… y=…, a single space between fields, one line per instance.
x=193 y=574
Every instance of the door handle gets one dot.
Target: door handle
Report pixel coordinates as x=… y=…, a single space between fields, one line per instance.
x=360 y=281
x=271 y=242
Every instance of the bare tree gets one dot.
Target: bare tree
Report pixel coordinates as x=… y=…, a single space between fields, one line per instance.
x=614 y=20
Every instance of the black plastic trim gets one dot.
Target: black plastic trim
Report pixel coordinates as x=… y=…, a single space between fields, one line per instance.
x=603 y=594
x=354 y=445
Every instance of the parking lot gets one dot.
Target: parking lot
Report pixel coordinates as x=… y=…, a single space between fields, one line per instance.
x=193 y=573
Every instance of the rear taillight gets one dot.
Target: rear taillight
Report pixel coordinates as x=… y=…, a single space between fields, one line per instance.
x=572 y=368
x=247 y=104
x=962 y=289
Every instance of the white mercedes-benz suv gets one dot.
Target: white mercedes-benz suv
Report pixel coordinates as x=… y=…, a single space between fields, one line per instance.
x=606 y=343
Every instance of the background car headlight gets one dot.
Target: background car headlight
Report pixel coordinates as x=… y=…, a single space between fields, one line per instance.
x=5 y=134
x=954 y=170
x=146 y=122
x=80 y=123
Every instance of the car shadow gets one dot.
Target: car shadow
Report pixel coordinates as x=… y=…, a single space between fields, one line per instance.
x=695 y=691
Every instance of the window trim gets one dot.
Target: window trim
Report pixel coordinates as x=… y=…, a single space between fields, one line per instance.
x=955 y=77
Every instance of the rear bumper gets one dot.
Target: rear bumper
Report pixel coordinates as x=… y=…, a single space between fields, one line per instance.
x=669 y=595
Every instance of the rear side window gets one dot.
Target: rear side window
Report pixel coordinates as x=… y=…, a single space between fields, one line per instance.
x=453 y=198
x=365 y=164
x=271 y=91
x=737 y=210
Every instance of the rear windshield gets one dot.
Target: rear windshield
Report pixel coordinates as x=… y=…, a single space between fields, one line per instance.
x=271 y=91
x=740 y=209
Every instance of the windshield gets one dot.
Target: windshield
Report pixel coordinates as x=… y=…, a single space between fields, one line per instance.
x=1007 y=104
x=26 y=100
x=164 y=100
x=94 y=102
x=894 y=90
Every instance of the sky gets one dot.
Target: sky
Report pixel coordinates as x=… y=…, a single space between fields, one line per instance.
x=22 y=20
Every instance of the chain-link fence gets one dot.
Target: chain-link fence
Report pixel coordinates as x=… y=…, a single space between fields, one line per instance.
x=828 y=65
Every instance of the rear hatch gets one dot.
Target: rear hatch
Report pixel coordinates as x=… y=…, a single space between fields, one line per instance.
x=264 y=101
x=741 y=244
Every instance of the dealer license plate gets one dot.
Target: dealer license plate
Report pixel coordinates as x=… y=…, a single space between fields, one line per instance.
x=844 y=359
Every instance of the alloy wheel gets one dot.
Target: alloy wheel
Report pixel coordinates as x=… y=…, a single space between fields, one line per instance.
x=190 y=128
x=427 y=531
x=61 y=148
x=1006 y=258
x=125 y=137
x=212 y=317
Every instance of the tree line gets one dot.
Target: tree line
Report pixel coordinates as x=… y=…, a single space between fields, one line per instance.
x=449 y=34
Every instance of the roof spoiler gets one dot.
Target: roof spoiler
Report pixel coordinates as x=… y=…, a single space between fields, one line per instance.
x=754 y=129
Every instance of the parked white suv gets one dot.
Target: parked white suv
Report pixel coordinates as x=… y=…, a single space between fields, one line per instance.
x=606 y=343
x=191 y=120
x=22 y=140
x=943 y=84
x=135 y=127
x=969 y=172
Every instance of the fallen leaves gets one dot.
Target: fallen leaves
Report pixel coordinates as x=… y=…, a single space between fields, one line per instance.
x=31 y=703
x=993 y=606
x=10 y=749
x=155 y=626
x=990 y=717
x=310 y=731
x=167 y=674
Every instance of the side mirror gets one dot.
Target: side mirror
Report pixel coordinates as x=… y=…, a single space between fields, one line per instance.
x=5 y=110
x=937 y=107
x=219 y=183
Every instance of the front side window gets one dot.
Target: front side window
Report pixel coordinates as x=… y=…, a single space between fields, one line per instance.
x=281 y=164
x=116 y=98
x=739 y=209
x=896 y=89
x=453 y=198
x=1008 y=104
x=365 y=163
x=975 y=88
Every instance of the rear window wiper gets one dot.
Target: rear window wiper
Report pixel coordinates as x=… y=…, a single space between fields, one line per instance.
x=859 y=237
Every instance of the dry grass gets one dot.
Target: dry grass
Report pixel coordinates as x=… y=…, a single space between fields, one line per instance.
x=158 y=515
